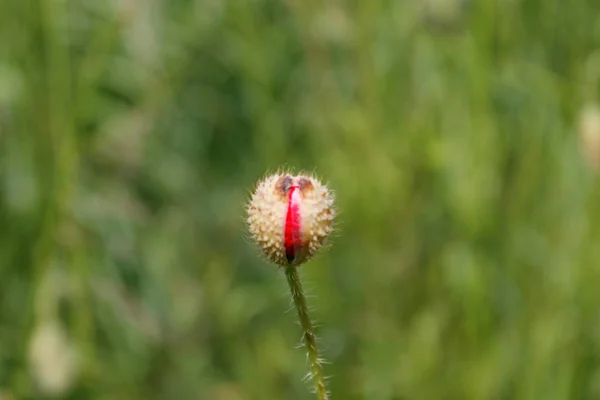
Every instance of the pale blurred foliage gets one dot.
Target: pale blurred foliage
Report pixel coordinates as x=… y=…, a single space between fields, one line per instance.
x=53 y=359
x=589 y=131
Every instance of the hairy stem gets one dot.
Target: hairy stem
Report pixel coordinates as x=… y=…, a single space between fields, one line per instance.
x=308 y=333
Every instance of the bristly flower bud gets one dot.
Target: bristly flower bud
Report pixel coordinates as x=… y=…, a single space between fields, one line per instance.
x=290 y=217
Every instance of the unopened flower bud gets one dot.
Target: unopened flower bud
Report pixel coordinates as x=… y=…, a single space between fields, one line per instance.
x=290 y=217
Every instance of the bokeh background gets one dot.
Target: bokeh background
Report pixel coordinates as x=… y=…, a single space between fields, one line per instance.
x=462 y=140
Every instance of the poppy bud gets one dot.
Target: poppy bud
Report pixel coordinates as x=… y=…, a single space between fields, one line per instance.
x=290 y=217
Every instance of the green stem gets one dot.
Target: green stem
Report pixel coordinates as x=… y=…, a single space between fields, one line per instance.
x=308 y=333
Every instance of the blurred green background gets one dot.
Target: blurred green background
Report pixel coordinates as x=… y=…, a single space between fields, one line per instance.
x=466 y=264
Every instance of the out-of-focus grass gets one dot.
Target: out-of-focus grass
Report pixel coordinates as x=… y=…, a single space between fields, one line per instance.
x=466 y=261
